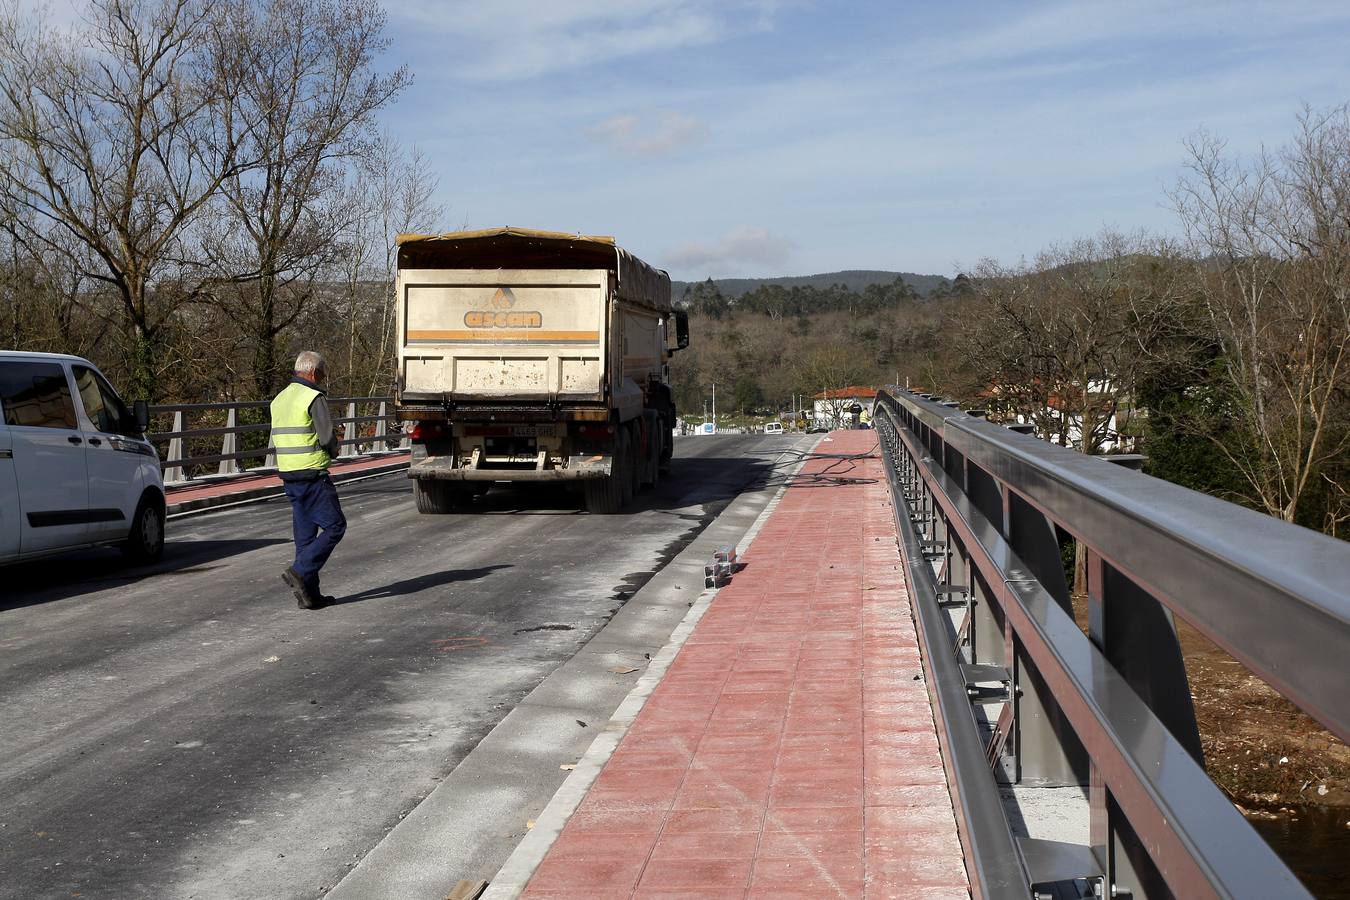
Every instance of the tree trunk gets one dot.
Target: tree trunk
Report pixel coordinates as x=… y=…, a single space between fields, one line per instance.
x=144 y=349
x=266 y=375
x=143 y=355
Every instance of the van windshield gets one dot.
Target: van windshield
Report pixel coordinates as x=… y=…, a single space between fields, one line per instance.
x=102 y=406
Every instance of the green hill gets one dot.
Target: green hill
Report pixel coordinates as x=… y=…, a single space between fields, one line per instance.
x=853 y=279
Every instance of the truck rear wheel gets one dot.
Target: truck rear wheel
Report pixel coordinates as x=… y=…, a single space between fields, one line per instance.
x=655 y=462
x=632 y=465
x=651 y=462
x=437 y=497
x=667 y=441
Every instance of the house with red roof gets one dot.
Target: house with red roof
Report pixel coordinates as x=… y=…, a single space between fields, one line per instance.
x=831 y=407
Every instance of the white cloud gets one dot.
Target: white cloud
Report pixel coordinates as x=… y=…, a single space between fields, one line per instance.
x=518 y=39
x=739 y=251
x=653 y=135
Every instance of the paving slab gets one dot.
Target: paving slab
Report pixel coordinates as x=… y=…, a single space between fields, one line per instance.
x=514 y=773
x=782 y=743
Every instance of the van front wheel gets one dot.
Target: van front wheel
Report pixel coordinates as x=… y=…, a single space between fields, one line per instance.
x=145 y=541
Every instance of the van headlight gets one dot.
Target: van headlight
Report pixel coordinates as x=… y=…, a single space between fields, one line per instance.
x=127 y=445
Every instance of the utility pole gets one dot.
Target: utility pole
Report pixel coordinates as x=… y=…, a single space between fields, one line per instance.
x=714 y=402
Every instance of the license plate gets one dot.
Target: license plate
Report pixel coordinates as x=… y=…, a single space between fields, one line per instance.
x=512 y=431
x=534 y=431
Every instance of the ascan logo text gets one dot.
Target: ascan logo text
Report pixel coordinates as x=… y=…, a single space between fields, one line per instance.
x=501 y=315
x=488 y=319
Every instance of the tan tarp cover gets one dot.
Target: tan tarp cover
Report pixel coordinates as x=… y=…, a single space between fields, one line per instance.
x=524 y=248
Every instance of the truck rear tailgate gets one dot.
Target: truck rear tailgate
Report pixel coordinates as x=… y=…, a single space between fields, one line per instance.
x=508 y=334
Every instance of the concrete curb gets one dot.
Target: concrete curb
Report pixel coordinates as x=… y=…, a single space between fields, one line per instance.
x=519 y=867
x=267 y=492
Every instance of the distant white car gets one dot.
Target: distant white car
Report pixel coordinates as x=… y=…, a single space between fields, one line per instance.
x=773 y=428
x=75 y=467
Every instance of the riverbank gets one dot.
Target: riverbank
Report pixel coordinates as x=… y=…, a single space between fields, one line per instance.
x=1260 y=748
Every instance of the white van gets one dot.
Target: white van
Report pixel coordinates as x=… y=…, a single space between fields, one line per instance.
x=75 y=467
x=773 y=427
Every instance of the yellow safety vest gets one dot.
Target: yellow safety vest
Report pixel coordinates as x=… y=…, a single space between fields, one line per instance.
x=298 y=447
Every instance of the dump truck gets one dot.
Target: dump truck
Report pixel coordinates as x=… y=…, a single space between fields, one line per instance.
x=533 y=356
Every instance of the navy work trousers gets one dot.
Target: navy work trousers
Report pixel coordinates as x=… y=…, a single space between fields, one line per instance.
x=319 y=524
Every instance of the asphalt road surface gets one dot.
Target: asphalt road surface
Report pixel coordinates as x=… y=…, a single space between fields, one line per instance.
x=184 y=730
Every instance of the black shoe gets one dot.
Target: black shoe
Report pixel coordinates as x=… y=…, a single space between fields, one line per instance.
x=327 y=600
x=303 y=599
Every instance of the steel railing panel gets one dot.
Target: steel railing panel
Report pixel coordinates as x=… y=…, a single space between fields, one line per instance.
x=1269 y=593
x=1200 y=843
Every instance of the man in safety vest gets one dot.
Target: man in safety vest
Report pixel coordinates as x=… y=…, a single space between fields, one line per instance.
x=305 y=442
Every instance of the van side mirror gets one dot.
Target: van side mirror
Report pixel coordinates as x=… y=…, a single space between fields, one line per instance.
x=681 y=329
x=140 y=416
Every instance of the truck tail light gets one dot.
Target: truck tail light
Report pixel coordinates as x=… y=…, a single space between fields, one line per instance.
x=424 y=431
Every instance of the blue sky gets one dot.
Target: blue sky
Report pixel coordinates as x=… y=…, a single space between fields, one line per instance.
x=724 y=138
x=790 y=137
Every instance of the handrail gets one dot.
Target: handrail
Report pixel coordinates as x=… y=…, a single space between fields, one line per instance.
x=383 y=437
x=995 y=871
x=994 y=506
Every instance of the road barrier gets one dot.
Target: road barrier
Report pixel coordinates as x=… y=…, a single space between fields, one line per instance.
x=367 y=427
x=1025 y=696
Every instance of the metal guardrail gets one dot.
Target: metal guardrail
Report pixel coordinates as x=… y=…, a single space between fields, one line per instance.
x=985 y=513
x=371 y=431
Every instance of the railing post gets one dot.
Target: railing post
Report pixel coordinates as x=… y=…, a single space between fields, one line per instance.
x=1048 y=752
x=349 y=432
x=176 y=448
x=1137 y=635
x=381 y=429
x=228 y=444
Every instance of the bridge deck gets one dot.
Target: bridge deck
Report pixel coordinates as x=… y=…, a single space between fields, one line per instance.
x=790 y=748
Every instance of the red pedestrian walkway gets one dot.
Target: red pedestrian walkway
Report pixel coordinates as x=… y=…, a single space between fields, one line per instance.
x=197 y=494
x=789 y=751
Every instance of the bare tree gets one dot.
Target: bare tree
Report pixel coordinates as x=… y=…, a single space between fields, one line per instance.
x=116 y=134
x=309 y=92
x=397 y=195
x=829 y=369
x=1272 y=245
x=1062 y=342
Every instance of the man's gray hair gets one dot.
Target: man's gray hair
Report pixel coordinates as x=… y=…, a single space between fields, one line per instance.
x=310 y=361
